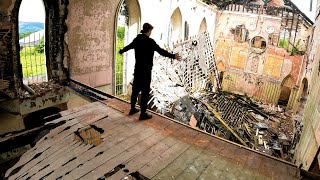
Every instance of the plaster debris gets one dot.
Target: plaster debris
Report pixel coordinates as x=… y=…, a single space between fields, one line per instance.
x=189 y=91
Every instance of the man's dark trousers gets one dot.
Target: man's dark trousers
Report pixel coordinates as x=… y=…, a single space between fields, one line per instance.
x=141 y=82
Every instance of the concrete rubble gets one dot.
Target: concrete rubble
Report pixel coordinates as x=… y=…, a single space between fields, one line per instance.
x=188 y=91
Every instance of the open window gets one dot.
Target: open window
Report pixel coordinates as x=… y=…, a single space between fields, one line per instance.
x=258 y=44
x=240 y=33
x=32 y=41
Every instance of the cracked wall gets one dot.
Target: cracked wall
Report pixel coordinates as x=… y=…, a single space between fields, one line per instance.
x=90 y=40
x=257 y=72
x=308 y=147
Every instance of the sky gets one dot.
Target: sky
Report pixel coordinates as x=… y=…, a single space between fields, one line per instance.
x=32 y=11
x=304 y=6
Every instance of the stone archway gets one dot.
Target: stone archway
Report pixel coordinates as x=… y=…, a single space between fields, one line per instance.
x=54 y=37
x=31 y=24
x=175 y=28
x=128 y=23
x=286 y=87
x=203 y=26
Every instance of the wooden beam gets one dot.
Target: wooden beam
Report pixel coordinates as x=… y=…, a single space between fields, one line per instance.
x=218 y=116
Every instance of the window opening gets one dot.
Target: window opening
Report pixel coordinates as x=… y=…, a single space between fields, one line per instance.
x=32 y=41
x=121 y=30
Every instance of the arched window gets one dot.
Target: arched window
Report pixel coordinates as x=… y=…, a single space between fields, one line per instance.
x=203 y=26
x=32 y=41
x=128 y=27
x=175 y=28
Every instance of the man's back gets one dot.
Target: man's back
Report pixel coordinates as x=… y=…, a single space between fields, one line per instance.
x=144 y=51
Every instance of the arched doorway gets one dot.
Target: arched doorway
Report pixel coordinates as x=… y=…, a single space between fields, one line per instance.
x=127 y=27
x=304 y=95
x=286 y=87
x=31 y=24
x=203 y=26
x=175 y=28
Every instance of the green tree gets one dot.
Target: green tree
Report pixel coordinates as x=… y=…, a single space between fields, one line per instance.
x=40 y=47
x=23 y=35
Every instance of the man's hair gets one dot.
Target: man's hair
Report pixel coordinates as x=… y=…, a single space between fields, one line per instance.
x=146 y=28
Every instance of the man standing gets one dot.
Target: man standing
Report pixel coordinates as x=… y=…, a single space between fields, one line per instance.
x=144 y=48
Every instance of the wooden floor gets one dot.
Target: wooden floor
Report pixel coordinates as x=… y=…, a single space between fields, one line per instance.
x=152 y=149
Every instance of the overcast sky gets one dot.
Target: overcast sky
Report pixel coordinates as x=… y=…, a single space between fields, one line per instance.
x=32 y=11
x=304 y=6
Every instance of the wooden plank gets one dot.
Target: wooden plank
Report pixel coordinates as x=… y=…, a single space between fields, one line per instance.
x=27 y=157
x=124 y=156
x=53 y=140
x=45 y=162
x=215 y=169
x=139 y=161
x=63 y=160
x=185 y=159
x=114 y=151
x=42 y=147
x=80 y=113
x=211 y=153
x=157 y=164
x=78 y=123
x=32 y=169
x=121 y=133
x=51 y=159
x=46 y=154
x=81 y=108
x=165 y=128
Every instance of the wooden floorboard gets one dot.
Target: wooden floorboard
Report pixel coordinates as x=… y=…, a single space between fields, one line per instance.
x=112 y=152
x=157 y=148
x=121 y=132
x=183 y=161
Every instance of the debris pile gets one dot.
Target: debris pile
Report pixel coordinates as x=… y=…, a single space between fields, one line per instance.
x=238 y=119
x=39 y=89
x=189 y=91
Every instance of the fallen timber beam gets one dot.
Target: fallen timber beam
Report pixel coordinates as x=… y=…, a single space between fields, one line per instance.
x=218 y=116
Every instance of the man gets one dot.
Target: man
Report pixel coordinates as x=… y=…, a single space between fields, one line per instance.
x=144 y=48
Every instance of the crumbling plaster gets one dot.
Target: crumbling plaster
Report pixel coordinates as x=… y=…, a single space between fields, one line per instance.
x=91 y=33
x=308 y=147
x=247 y=72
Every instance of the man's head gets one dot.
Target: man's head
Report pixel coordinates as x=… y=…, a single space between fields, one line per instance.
x=147 y=29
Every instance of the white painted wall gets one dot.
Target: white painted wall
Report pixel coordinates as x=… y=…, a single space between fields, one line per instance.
x=159 y=12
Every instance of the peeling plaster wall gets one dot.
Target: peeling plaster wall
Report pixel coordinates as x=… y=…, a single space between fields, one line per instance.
x=90 y=40
x=91 y=35
x=258 y=75
x=307 y=149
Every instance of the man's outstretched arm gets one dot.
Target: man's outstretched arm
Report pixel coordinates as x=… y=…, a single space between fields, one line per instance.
x=127 y=48
x=165 y=53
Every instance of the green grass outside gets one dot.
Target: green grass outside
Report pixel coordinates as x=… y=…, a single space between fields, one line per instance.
x=283 y=43
x=119 y=61
x=33 y=62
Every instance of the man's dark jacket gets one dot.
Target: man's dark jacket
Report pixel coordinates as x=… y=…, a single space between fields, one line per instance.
x=144 y=50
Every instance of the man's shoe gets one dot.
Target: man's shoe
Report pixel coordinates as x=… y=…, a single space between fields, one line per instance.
x=145 y=116
x=133 y=111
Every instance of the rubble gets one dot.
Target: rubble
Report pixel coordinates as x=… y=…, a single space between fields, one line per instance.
x=186 y=92
x=230 y=117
